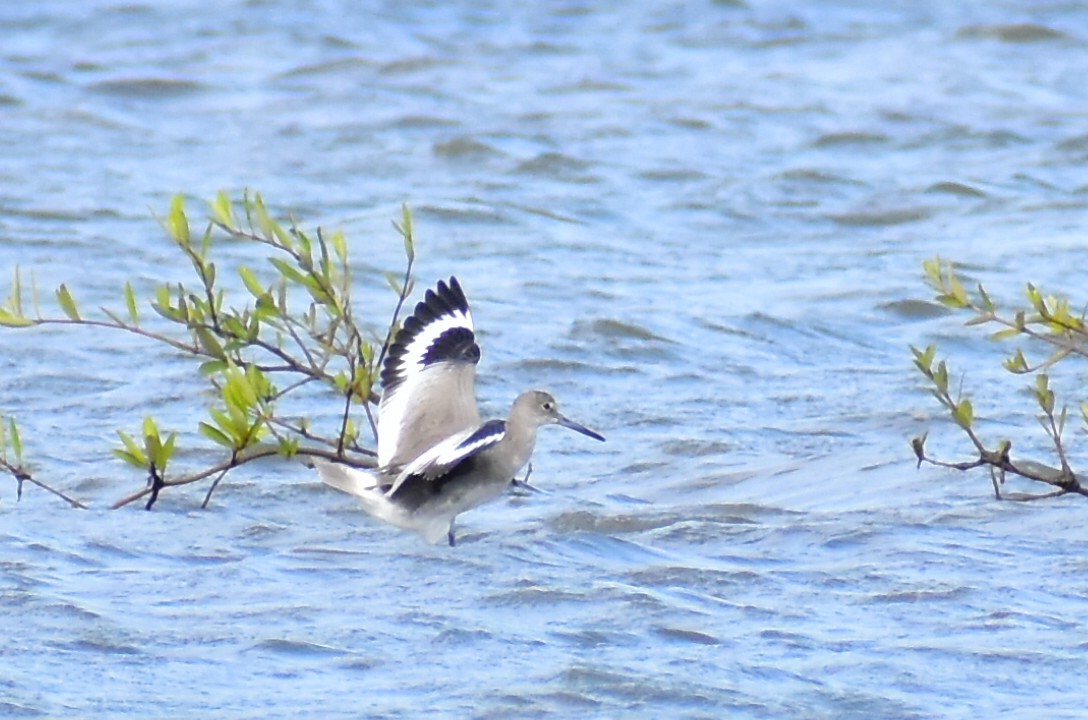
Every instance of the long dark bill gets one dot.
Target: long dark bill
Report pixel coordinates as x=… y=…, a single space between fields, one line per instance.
x=579 y=428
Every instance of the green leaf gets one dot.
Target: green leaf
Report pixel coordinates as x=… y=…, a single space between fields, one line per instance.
x=1005 y=334
x=167 y=312
x=223 y=211
x=339 y=246
x=16 y=299
x=209 y=342
x=393 y=280
x=176 y=222
x=1042 y=382
x=406 y=231
x=363 y=386
x=16 y=441
x=153 y=448
x=924 y=358
x=198 y=309
x=288 y=447
x=305 y=250
x=206 y=242
x=1043 y=393
x=67 y=303
x=213 y=367
x=166 y=452
x=288 y=271
x=129 y=458
x=270 y=229
x=341 y=381
x=1046 y=401
x=1017 y=364
x=239 y=391
x=1035 y=298
x=317 y=292
x=940 y=378
x=152 y=442
x=259 y=382
x=9 y=319
x=932 y=268
x=132 y=452
x=958 y=291
x=281 y=295
x=931 y=351
x=251 y=282
x=234 y=326
x=183 y=306
x=266 y=309
x=952 y=301
x=964 y=414
x=130 y=301
x=222 y=419
x=292 y=274
x=216 y=435
x=326 y=265
x=987 y=303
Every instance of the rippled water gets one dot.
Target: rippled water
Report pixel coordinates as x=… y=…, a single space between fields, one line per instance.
x=701 y=224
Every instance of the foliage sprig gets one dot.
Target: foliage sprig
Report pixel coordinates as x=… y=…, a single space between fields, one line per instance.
x=293 y=333
x=1046 y=323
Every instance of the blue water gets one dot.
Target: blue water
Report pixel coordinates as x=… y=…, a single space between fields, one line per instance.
x=700 y=224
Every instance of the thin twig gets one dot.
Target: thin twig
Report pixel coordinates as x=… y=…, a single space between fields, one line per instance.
x=22 y=476
x=248 y=457
x=215 y=483
x=396 y=314
x=1065 y=482
x=401 y=297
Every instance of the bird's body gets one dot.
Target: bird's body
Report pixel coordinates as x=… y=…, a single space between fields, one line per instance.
x=436 y=459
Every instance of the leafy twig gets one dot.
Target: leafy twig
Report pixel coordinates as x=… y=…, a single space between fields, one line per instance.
x=243 y=350
x=1047 y=320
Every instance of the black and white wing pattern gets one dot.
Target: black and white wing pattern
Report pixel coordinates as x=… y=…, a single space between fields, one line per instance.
x=447 y=460
x=429 y=378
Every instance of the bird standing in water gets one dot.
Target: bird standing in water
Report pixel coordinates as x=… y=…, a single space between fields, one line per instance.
x=436 y=459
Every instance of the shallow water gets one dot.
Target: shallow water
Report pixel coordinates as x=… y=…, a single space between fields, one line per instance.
x=700 y=224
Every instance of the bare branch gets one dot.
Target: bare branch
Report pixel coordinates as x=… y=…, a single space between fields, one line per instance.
x=22 y=476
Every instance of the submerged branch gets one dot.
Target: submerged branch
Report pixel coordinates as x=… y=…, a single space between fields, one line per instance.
x=1001 y=464
x=22 y=476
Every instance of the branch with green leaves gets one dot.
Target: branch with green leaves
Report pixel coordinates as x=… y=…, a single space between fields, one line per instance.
x=1045 y=323
x=294 y=332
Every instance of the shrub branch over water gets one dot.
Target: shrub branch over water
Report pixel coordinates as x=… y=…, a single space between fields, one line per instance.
x=1046 y=325
x=294 y=336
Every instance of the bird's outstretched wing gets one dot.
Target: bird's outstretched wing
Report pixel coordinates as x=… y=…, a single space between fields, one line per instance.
x=429 y=378
x=446 y=460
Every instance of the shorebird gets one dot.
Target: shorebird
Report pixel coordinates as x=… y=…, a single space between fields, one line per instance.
x=436 y=459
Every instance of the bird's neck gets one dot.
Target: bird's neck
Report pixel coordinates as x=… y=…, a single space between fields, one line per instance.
x=519 y=441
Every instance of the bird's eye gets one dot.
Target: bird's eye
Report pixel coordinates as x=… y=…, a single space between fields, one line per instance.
x=549 y=406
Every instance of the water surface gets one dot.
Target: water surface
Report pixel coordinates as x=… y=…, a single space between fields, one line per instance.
x=701 y=224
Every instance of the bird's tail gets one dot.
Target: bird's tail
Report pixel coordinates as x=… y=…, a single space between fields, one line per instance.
x=367 y=485
x=360 y=483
